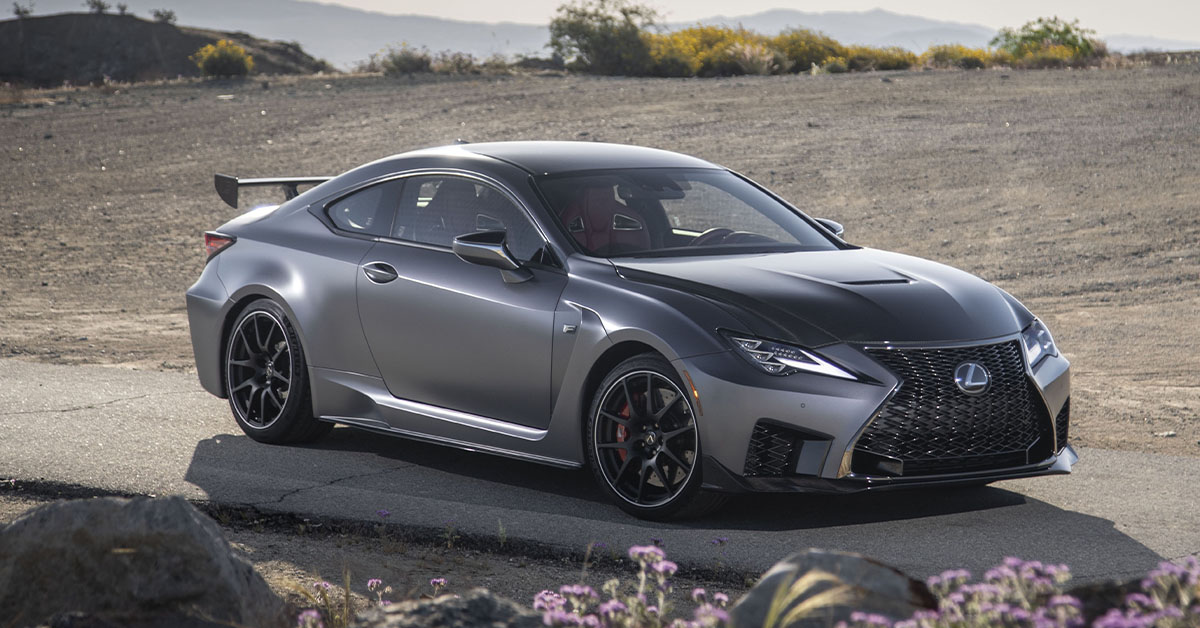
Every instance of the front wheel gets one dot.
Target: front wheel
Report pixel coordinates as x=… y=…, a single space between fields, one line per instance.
x=644 y=443
x=266 y=378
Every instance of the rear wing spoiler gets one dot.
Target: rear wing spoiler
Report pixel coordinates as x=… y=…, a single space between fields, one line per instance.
x=227 y=185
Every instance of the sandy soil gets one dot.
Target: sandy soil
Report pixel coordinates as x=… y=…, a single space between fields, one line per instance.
x=1076 y=191
x=293 y=558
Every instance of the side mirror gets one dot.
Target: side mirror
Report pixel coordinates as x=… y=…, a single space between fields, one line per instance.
x=488 y=248
x=835 y=227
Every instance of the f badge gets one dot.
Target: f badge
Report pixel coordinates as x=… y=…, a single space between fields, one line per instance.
x=972 y=378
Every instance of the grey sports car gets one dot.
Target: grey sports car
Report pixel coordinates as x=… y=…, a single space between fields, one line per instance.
x=674 y=326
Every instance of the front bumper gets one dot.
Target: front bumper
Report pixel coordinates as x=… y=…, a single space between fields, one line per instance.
x=735 y=403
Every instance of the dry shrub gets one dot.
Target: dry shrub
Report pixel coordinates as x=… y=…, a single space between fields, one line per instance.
x=447 y=62
x=11 y=94
x=403 y=60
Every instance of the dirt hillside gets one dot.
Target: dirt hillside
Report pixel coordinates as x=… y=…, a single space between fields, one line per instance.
x=83 y=48
x=1076 y=191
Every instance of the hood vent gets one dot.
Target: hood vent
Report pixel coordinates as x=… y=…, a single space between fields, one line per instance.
x=875 y=282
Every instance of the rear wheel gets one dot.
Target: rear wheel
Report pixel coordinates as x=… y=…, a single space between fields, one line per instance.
x=266 y=378
x=644 y=443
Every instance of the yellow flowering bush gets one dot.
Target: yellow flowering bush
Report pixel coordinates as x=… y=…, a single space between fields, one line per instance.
x=864 y=58
x=223 y=58
x=712 y=50
x=805 y=48
x=960 y=56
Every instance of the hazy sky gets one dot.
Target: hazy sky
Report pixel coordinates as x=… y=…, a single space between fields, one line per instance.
x=1167 y=19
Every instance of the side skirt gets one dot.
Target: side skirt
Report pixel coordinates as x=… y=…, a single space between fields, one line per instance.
x=383 y=428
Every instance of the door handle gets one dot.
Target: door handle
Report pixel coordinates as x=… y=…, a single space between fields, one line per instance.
x=380 y=272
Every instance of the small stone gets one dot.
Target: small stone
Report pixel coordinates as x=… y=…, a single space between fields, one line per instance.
x=1166 y=434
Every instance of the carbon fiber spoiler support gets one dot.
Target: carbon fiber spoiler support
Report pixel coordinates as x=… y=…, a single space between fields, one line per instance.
x=227 y=185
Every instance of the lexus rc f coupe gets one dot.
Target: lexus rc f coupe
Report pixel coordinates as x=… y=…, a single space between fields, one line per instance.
x=670 y=324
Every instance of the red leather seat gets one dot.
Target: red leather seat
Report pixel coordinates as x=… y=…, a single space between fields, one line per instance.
x=604 y=226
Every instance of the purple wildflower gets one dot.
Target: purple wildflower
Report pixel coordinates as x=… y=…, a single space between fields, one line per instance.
x=720 y=599
x=322 y=586
x=578 y=590
x=373 y=584
x=665 y=568
x=646 y=554
x=383 y=514
x=610 y=608
x=310 y=618
x=699 y=594
x=548 y=601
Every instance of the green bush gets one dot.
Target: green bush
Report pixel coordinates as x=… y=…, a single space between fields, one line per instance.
x=97 y=6
x=805 y=48
x=1048 y=39
x=163 y=16
x=603 y=36
x=224 y=58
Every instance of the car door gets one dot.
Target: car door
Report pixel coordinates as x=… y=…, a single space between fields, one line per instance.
x=452 y=334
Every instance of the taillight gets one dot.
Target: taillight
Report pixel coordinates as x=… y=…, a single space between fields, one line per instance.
x=215 y=243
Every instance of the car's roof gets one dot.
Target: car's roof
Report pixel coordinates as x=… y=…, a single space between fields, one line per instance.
x=560 y=157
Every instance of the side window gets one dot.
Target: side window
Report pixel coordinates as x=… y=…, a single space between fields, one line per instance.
x=435 y=209
x=368 y=210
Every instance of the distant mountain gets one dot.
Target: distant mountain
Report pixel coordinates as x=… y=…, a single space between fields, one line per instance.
x=83 y=48
x=344 y=36
x=873 y=28
x=1138 y=43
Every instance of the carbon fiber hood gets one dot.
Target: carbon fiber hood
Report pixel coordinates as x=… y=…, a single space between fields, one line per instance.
x=859 y=295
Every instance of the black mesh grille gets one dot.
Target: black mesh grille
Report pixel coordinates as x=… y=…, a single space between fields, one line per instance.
x=933 y=427
x=771 y=451
x=1061 y=424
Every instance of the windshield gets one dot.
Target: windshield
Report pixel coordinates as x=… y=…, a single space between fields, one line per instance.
x=670 y=212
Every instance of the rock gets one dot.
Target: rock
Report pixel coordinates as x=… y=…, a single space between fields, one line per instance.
x=1166 y=434
x=128 y=562
x=875 y=588
x=480 y=607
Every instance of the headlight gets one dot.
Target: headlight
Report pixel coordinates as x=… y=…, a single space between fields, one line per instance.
x=1038 y=343
x=780 y=359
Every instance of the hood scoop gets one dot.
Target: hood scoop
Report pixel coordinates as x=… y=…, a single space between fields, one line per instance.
x=875 y=282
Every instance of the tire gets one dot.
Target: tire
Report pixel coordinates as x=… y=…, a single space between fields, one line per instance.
x=266 y=378
x=647 y=459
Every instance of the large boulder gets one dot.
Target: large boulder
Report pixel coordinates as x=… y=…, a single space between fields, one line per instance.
x=128 y=562
x=873 y=587
x=479 y=608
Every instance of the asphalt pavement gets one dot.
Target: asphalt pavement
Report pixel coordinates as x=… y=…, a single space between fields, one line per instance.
x=158 y=433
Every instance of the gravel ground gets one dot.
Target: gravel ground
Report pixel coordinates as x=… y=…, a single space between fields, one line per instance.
x=1076 y=191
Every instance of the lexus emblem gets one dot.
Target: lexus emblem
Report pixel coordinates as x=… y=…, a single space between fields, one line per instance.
x=972 y=378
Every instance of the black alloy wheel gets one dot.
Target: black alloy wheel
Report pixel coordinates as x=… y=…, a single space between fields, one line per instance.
x=644 y=442
x=266 y=378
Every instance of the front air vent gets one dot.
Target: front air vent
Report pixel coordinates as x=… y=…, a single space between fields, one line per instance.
x=1062 y=423
x=772 y=451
